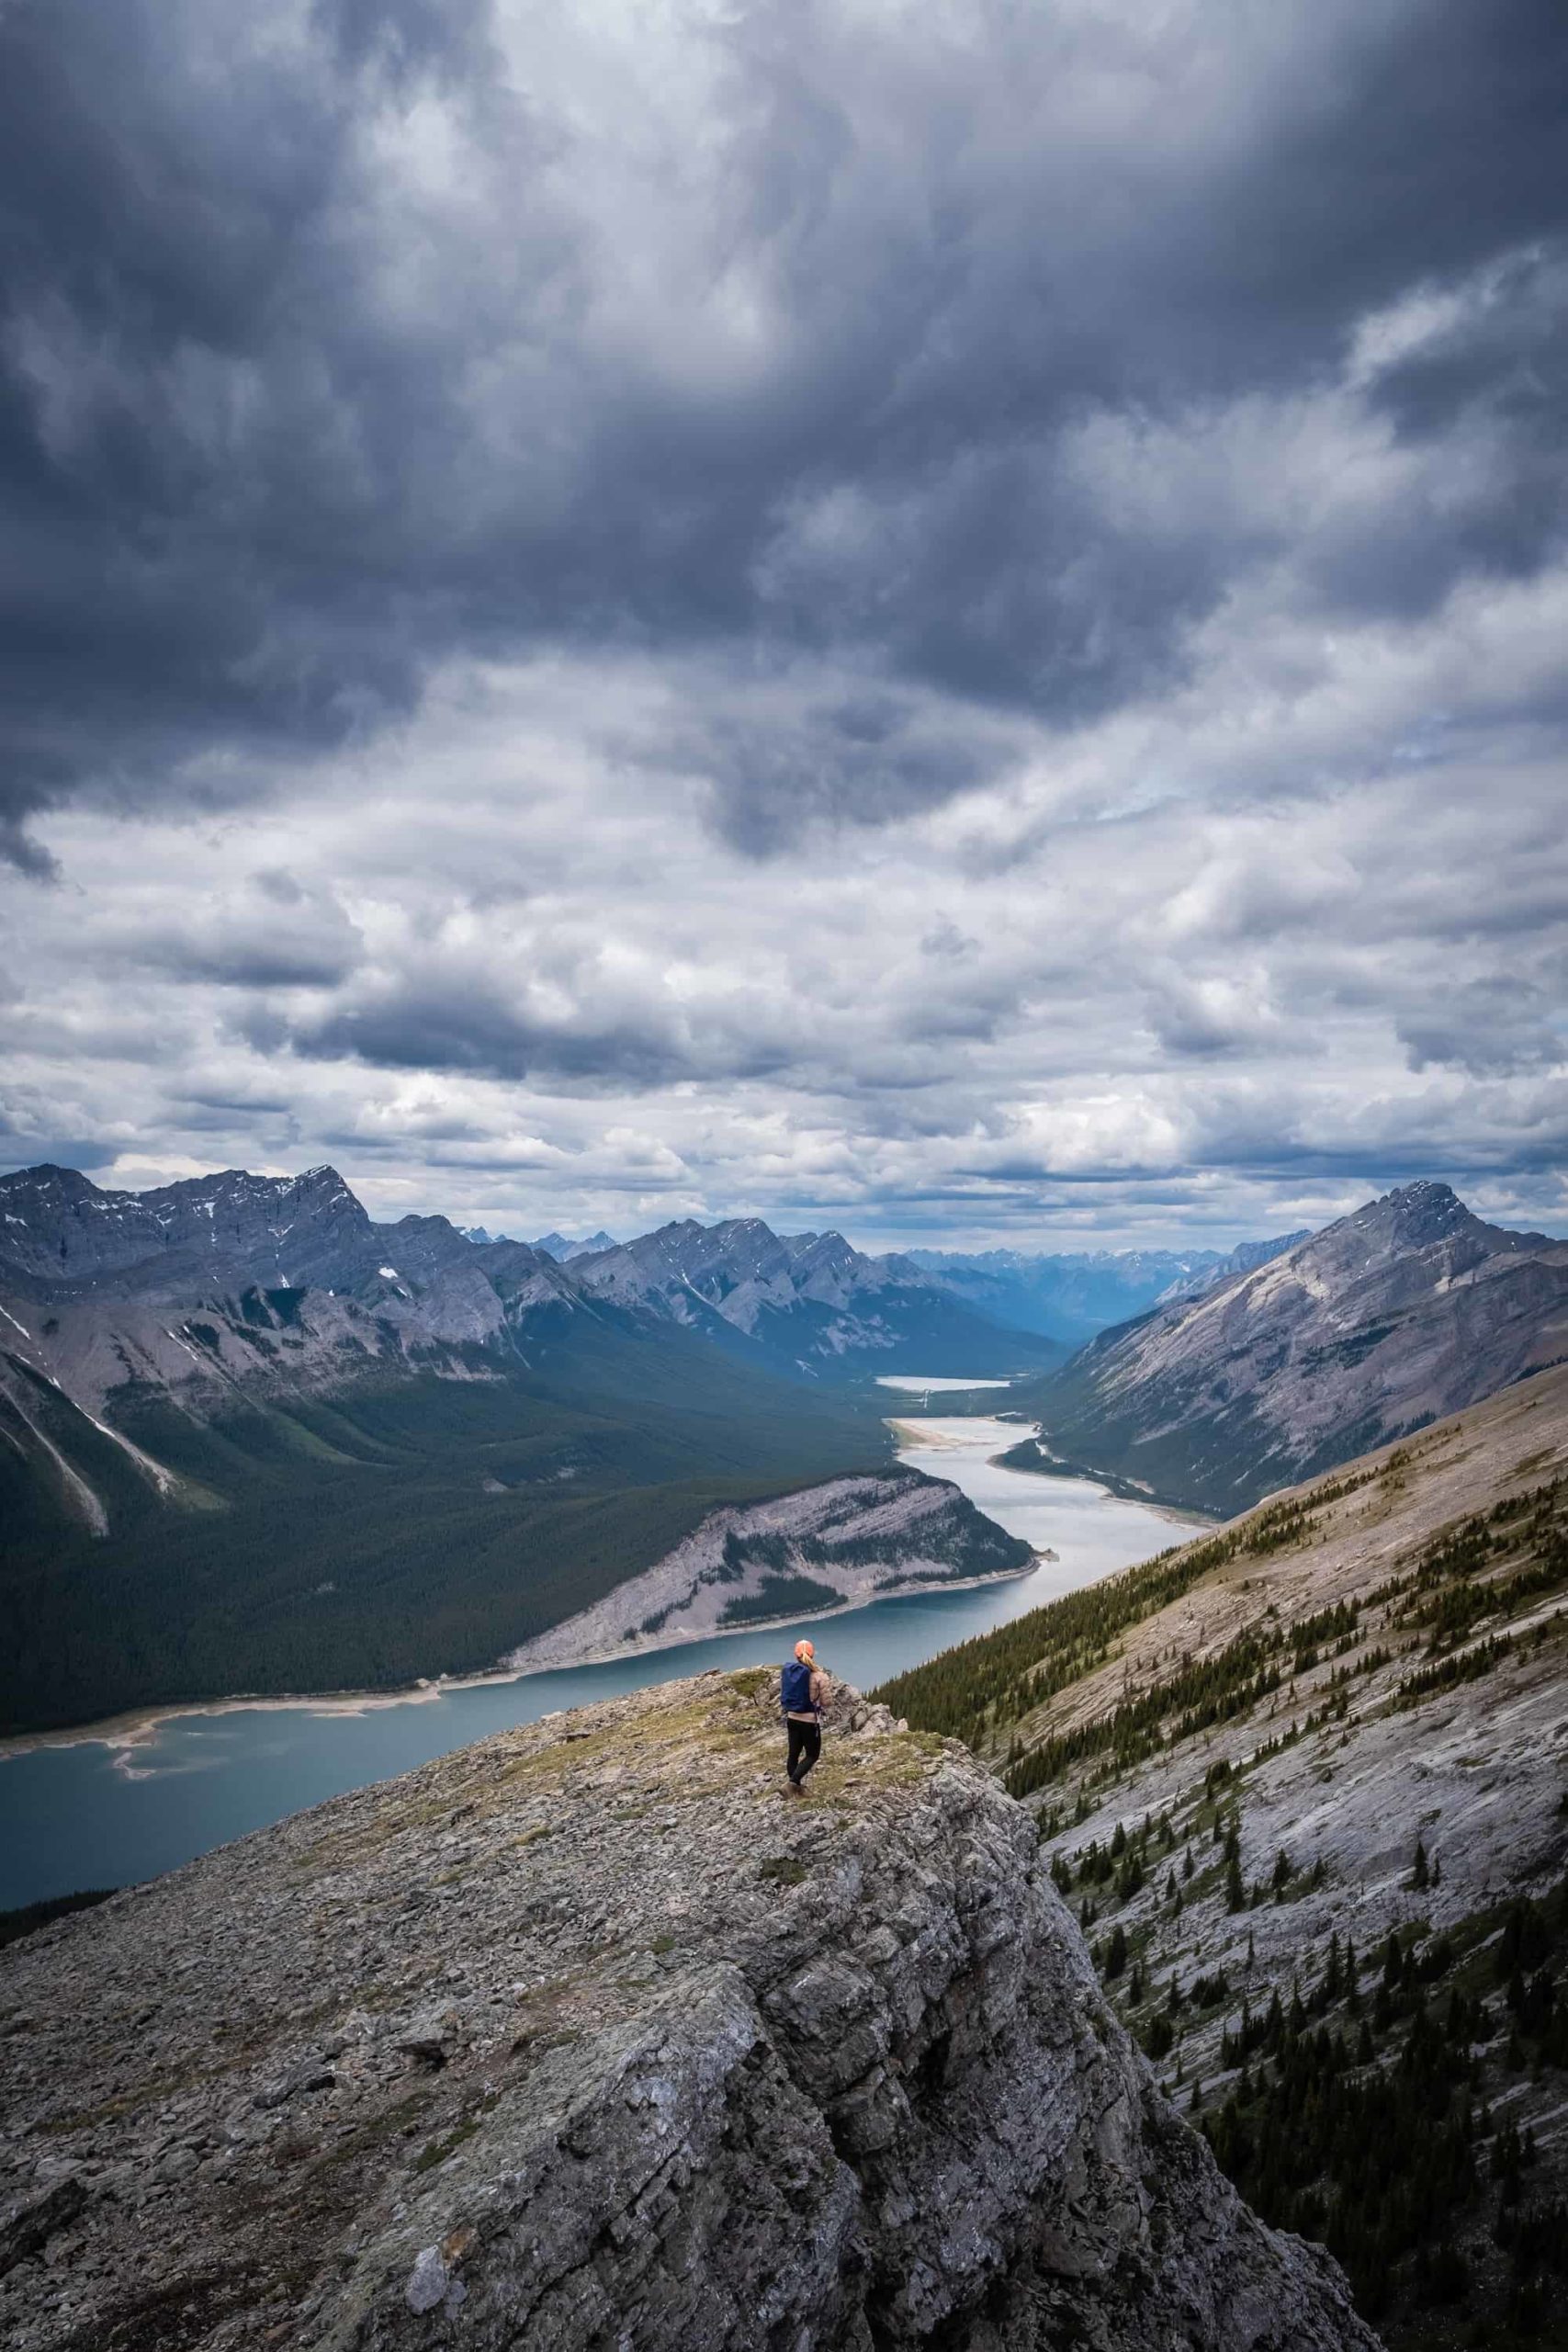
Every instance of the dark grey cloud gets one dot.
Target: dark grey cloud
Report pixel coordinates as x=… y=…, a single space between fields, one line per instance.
x=774 y=761
x=463 y=1028
x=291 y=410
x=1495 y=1027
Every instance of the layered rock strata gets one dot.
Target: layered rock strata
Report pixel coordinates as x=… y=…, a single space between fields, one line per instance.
x=853 y=1539
x=588 y=2036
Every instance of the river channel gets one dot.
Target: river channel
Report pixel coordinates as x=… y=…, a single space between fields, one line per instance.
x=119 y=1803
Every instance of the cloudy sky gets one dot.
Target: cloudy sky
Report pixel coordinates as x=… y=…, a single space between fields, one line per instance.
x=945 y=618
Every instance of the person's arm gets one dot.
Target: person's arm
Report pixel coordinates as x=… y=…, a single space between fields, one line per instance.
x=818 y=1686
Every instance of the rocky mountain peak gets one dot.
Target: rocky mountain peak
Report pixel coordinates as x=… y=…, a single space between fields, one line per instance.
x=1416 y=1215
x=1385 y=1320
x=47 y=1177
x=584 y=2036
x=1423 y=1216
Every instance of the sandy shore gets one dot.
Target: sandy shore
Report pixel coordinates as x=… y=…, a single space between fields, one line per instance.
x=643 y=1642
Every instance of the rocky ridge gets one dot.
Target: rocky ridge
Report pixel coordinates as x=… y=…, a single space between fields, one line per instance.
x=589 y=2037
x=853 y=1540
x=1337 y=1726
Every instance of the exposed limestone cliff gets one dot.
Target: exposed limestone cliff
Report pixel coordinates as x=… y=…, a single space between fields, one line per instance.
x=590 y=2037
x=853 y=1538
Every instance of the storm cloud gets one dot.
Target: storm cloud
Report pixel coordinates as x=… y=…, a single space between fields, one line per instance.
x=950 y=617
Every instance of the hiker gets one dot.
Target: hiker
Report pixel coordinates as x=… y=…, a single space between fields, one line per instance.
x=803 y=1693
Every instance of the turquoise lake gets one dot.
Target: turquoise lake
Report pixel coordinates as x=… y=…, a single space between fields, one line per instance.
x=109 y=1807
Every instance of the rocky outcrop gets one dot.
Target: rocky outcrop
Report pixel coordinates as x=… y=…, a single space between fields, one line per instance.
x=1384 y=1321
x=852 y=1540
x=591 y=2037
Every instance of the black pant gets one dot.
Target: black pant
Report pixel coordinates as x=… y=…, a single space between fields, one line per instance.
x=804 y=1747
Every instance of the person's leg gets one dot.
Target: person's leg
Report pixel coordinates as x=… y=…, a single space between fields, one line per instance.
x=796 y=1742
x=811 y=1745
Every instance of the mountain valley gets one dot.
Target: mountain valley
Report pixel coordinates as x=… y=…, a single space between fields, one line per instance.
x=251 y=1440
x=1072 y=1296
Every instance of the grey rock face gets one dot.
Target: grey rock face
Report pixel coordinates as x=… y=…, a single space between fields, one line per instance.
x=853 y=1538
x=233 y=1282
x=1410 y=1309
x=718 y=2069
x=808 y=1297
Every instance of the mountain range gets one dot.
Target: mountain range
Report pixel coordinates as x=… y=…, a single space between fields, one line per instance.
x=240 y=1282
x=252 y=1439
x=807 y=1300
x=1408 y=1309
x=554 y=1245
x=1072 y=1296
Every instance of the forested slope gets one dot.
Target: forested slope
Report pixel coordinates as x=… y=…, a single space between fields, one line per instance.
x=390 y=1530
x=1303 y=1781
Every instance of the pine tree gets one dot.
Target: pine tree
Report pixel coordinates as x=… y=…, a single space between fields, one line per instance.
x=1329 y=1991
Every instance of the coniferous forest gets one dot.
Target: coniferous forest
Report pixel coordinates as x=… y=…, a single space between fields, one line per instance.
x=1393 y=2091
x=364 y=1540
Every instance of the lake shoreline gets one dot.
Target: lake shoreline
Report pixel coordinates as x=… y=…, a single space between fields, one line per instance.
x=137 y=1727
x=129 y=1795
x=140 y=1727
